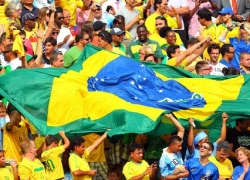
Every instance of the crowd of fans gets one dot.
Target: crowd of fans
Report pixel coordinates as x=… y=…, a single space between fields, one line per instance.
x=206 y=37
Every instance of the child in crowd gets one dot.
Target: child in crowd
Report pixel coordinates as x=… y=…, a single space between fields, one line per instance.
x=113 y=174
x=2 y=122
x=7 y=171
x=51 y=156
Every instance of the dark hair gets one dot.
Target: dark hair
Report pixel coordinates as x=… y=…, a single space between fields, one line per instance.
x=2 y=37
x=51 y=40
x=230 y=71
x=119 y=17
x=192 y=41
x=205 y=13
x=213 y=46
x=135 y=146
x=113 y=170
x=10 y=47
x=157 y=2
x=225 y=48
x=22 y=32
x=80 y=35
x=148 y=55
x=106 y=36
x=58 y=10
x=163 y=19
x=173 y=139
x=164 y=31
x=76 y=141
x=171 y=49
x=141 y=26
x=51 y=139
x=223 y=145
x=88 y=28
x=199 y=65
x=54 y=57
x=211 y=146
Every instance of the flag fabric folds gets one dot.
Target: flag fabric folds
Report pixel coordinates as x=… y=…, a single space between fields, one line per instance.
x=104 y=91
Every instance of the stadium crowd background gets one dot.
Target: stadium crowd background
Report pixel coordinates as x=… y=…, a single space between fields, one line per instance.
x=205 y=37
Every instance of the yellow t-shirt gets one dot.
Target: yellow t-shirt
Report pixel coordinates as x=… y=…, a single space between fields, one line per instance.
x=230 y=34
x=2 y=9
x=132 y=169
x=118 y=51
x=139 y=9
x=53 y=161
x=6 y=22
x=98 y=155
x=78 y=163
x=172 y=62
x=31 y=36
x=71 y=6
x=225 y=168
x=32 y=170
x=150 y=22
x=12 y=141
x=6 y=173
x=156 y=37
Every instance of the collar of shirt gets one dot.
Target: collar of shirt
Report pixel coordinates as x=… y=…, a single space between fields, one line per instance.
x=226 y=63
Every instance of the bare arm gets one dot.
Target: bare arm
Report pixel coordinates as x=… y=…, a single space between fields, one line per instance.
x=190 y=142
x=96 y=143
x=223 y=132
x=130 y=25
x=177 y=124
x=177 y=177
x=39 y=48
x=213 y=4
x=14 y=118
x=50 y=24
x=65 y=139
x=14 y=168
x=232 y=154
x=79 y=173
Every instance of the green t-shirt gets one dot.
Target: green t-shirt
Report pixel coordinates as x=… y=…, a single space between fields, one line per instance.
x=71 y=56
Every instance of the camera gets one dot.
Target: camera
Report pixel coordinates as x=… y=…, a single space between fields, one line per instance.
x=108 y=8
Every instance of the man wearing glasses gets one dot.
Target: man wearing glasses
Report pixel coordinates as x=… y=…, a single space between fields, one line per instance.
x=227 y=52
x=201 y=168
x=221 y=161
x=71 y=56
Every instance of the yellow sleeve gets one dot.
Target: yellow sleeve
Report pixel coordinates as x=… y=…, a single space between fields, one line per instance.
x=128 y=170
x=171 y=21
x=73 y=163
x=24 y=172
x=172 y=62
x=59 y=150
x=150 y=24
x=79 y=4
x=178 y=39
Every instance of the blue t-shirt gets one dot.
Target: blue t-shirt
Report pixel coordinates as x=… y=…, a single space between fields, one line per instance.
x=169 y=161
x=238 y=170
x=197 y=170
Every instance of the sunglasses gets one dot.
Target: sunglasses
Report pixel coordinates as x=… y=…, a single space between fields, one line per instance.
x=5 y=52
x=87 y=39
x=205 y=147
x=55 y=33
x=118 y=22
x=67 y=17
x=99 y=9
x=60 y=18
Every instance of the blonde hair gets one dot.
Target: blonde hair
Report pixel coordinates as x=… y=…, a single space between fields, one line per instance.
x=247 y=37
x=42 y=13
x=26 y=145
x=244 y=150
x=148 y=49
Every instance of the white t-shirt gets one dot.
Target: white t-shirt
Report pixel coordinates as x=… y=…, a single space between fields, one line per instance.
x=62 y=34
x=116 y=4
x=2 y=61
x=178 y=4
x=15 y=63
x=217 y=69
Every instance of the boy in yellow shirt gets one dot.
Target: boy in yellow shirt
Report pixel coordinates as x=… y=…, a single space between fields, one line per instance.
x=6 y=171
x=30 y=168
x=51 y=156
x=138 y=168
x=78 y=165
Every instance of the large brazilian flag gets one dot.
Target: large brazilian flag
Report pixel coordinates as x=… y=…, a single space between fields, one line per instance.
x=104 y=91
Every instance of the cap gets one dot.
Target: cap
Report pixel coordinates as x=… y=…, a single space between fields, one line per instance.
x=28 y=16
x=98 y=25
x=226 y=10
x=29 y=57
x=116 y=31
x=106 y=36
x=201 y=135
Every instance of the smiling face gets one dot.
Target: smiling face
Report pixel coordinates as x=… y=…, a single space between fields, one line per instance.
x=142 y=34
x=2 y=162
x=241 y=157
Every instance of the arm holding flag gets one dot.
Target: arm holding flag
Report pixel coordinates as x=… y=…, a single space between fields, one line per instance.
x=190 y=141
x=223 y=127
x=96 y=143
x=177 y=124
